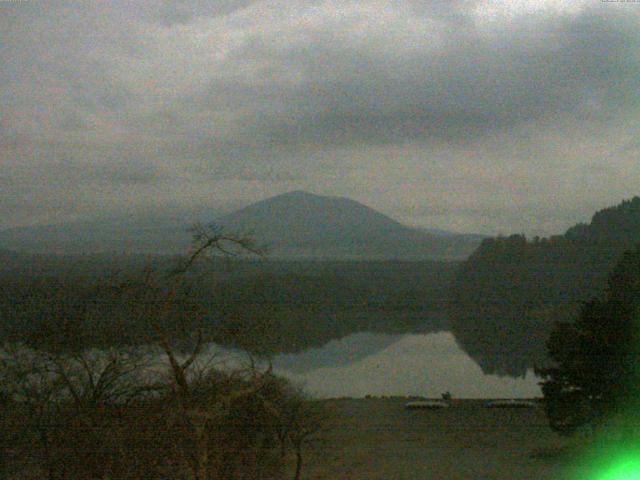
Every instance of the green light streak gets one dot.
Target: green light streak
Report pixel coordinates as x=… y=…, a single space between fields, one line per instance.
x=625 y=469
x=609 y=461
x=614 y=452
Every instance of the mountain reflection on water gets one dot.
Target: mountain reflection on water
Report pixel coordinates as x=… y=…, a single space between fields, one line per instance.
x=406 y=364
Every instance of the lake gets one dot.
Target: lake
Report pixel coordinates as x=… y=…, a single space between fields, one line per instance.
x=407 y=364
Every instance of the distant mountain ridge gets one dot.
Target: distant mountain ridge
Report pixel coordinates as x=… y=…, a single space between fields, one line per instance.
x=116 y=235
x=296 y=225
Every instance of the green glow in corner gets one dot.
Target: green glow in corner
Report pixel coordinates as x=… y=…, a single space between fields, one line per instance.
x=626 y=469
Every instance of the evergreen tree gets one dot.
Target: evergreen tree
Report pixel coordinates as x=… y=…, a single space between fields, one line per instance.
x=595 y=372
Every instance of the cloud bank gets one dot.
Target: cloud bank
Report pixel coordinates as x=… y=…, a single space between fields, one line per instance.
x=484 y=116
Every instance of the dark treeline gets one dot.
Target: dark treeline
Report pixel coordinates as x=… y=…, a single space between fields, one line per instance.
x=300 y=304
x=510 y=292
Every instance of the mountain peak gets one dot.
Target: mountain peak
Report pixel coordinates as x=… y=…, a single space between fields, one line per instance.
x=303 y=224
x=297 y=193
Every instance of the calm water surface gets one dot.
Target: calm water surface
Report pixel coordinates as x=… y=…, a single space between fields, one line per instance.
x=379 y=364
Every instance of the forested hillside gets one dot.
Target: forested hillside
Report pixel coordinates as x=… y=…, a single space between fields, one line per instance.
x=507 y=295
x=285 y=306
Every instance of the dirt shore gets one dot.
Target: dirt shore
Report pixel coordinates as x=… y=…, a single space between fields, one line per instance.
x=378 y=438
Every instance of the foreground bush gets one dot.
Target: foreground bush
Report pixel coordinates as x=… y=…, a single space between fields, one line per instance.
x=242 y=424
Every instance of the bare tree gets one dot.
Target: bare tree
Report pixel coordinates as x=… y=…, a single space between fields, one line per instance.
x=300 y=422
x=26 y=379
x=198 y=408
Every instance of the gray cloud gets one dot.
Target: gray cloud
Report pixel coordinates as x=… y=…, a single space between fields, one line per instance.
x=478 y=115
x=471 y=83
x=184 y=11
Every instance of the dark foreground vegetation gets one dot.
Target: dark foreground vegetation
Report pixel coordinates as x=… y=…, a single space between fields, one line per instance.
x=66 y=418
x=595 y=376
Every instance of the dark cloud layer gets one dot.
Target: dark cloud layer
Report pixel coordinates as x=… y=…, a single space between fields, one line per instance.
x=476 y=116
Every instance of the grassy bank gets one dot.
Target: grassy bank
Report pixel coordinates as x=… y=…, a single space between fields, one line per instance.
x=378 y=438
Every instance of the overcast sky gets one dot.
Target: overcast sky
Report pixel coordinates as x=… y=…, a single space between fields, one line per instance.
x=474 y=116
